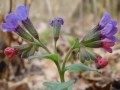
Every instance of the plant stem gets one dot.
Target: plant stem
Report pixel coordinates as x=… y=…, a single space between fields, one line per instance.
x=66 y=57
x=11 y=5
x=60 y=72
x=55 y=46
x=42 y=45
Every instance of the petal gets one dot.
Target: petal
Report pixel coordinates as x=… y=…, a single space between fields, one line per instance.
x=60 y=20
x=51 y=23
x=105 y=19
x=112 y=38
x=22 y=12
x=114 y=23
x=12 y=19
x=113 y=31
x=6 y=27
x=107 y=43
x=107 y=29
x=108 y=50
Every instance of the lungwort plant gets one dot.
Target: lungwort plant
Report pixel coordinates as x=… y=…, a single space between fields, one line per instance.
x=102 y=36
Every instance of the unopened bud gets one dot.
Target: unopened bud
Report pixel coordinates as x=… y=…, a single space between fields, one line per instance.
x=10 y=52
x=56 y=24
x=101 y=62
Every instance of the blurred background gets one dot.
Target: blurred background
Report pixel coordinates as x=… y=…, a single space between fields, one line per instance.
x=80 y=16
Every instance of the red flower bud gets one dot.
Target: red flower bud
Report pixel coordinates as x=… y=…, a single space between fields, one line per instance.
x=10 y=52
x=101 y=62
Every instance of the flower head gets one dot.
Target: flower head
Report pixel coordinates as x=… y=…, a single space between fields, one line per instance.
x=57 y=19
x=102 y=36
x=56 y=24
x=108 y=27
x=22 y=11
x=10 y=52
x=11 y=22
x=101 y=62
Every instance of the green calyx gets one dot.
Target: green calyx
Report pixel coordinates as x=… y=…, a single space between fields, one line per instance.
x=21 y=32
x=56 y=30
x=31 y=29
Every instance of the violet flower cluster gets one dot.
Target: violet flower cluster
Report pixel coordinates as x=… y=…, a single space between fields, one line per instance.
x=103 y=34
x=13 y=20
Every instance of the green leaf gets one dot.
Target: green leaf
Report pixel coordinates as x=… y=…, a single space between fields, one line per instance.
x=53 y=57
x=65 y=85
x=79 y=67
x=59 y=86
x=51 y=85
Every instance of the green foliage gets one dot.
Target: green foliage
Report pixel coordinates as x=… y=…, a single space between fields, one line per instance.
x=79 y=67
x=59 y=86
x=53 y=57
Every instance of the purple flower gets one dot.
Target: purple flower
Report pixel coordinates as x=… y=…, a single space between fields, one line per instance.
x=58 y=19
x=108 y=27
x=56 y=24
x=11 y=22
x=23 y=12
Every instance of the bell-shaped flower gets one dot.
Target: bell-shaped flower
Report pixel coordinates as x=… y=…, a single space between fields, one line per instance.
x=108 y=27
x=12 y=24
x=57 y=19
x=23 y=13
x=56 y=24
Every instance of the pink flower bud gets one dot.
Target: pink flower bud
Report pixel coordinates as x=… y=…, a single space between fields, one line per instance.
x=101 y=62
x=10 y=52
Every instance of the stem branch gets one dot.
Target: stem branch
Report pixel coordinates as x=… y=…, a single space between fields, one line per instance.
x=67 y=56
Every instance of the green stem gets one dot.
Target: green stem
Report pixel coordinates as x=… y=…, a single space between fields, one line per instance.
x=66 y=57
x=60 y=72
x=42 y=45
x=55 y=46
